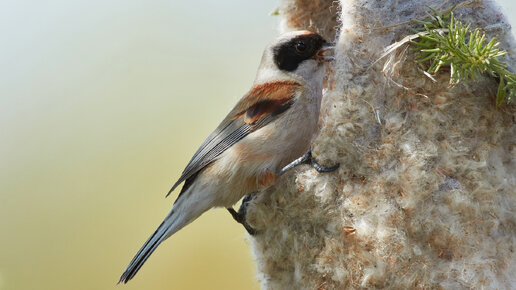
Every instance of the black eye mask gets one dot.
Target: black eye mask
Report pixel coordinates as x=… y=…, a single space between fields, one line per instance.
x=288 y=55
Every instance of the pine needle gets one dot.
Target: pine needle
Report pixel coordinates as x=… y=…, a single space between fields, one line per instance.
x=449 y=42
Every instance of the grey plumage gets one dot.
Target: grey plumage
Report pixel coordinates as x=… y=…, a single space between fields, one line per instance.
x=225 y=136
x=144 y=253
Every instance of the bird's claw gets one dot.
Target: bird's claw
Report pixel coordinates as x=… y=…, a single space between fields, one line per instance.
x=307 y=158
x=321 y=168
x=240 y=216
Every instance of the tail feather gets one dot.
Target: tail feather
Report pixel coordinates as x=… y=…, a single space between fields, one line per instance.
x=184 y=211
x=144 y=253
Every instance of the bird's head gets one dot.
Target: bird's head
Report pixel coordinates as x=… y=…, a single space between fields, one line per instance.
x=298 y=54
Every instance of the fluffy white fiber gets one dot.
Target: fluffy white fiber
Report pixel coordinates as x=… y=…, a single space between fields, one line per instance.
x=425 y=196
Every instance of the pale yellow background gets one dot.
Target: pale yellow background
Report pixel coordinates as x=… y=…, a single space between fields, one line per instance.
x=102 y=103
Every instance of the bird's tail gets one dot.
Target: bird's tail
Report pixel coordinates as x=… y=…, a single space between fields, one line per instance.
x=144 y=253
x=178 y=217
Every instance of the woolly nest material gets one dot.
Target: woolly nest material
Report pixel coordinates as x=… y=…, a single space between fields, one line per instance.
x=425 y=196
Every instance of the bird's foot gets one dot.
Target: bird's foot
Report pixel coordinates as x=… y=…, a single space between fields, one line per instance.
x=240 y=216
x=308 y=159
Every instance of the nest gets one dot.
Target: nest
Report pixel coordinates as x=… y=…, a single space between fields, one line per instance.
x=425 y=196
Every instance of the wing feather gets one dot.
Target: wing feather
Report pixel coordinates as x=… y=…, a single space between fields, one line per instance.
x=257 y=109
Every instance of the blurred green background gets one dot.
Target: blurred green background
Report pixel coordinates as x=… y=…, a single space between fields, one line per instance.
x=102 y=103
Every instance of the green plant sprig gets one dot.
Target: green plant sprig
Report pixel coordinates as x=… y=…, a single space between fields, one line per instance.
x=449 y=42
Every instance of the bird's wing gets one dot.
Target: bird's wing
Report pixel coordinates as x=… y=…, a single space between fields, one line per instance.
x=255 y=110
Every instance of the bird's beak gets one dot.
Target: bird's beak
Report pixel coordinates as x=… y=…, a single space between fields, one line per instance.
x=326 y=53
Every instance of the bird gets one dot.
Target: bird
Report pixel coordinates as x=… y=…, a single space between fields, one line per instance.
x=264 y=135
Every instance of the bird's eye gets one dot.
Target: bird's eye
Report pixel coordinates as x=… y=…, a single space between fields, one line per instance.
x=300 y=46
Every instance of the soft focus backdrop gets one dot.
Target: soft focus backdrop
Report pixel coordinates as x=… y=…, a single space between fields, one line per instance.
x=102 y=103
